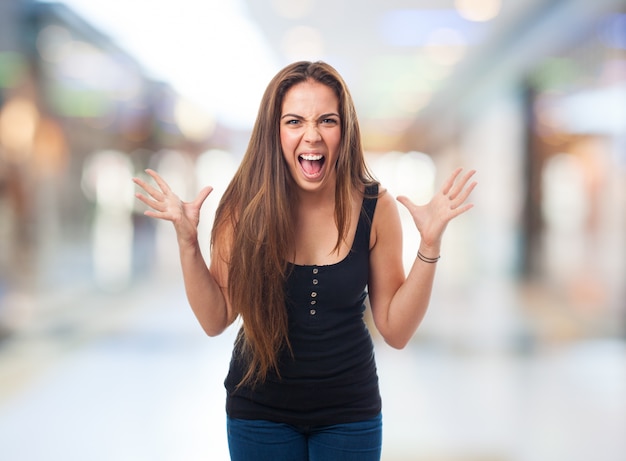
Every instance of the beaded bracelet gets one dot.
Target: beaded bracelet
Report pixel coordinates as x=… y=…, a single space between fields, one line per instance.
x=426 y=259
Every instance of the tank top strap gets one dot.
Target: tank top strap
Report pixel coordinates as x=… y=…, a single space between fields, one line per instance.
x=369 y=202
x=367 y=215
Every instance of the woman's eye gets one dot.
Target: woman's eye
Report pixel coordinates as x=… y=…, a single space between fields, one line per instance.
x=293 y=122
x=329 y=121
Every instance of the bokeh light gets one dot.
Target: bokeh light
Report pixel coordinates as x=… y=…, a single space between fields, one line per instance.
x=478 y=10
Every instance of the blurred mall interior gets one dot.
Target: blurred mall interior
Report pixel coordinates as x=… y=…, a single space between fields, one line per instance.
x=522 y=355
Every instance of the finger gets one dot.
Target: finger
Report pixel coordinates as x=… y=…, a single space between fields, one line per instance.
x=406 y=202
x=148 y=188
x=460 y=206
x=468 y=190
x=154 y=204
x=462 y=195
x=159 y=180
x=202 y=196
x=462 y=209
x=459 y=186
x=158 y=215
x=450 y=181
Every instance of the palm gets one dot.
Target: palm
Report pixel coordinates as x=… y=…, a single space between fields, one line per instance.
x=432 y=218
x=191 y=213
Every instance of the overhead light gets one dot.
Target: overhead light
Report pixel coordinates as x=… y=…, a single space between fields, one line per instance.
x=303 y=42
x=292 y=10
x=195 y=123
x=478 y=10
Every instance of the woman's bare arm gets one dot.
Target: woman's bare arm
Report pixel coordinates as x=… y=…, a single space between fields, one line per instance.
x=398 y=303
x=205 y=288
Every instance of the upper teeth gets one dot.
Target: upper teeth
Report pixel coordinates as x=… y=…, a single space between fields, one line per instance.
x=311 y=156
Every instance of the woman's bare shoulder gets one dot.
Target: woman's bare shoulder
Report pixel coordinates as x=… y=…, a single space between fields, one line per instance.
x=386 y=222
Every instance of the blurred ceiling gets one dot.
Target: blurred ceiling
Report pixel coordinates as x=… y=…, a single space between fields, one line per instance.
x=410 y=64
x=396 y=55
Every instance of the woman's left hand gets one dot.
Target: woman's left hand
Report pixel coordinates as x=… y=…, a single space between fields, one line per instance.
x=432 y=218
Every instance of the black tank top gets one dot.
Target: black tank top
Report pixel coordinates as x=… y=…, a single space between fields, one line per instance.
x=331 y=377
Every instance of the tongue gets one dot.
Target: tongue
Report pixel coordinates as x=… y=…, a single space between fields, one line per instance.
x=311 y=167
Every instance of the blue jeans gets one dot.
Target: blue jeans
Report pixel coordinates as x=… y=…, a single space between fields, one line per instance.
x=268 y=441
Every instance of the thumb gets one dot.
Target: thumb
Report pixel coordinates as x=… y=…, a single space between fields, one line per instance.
x=404 y=200
x=202 y=196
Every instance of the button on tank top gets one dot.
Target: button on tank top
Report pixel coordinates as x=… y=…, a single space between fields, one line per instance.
x=331 y=376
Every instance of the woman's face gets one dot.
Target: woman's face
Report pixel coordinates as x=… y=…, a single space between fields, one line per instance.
x=310 y=134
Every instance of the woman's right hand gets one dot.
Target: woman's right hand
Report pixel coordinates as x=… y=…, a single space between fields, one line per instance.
x=165 y=204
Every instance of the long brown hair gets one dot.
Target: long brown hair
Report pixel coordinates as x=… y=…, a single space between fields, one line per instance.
x=256 y=212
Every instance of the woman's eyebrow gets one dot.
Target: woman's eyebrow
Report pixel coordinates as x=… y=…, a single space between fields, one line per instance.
x=292 y=115
x=301 y=117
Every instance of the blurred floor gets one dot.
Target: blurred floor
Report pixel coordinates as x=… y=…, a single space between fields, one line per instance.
x=132 y=377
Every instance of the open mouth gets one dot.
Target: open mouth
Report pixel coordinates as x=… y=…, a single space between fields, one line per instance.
x=311 y=164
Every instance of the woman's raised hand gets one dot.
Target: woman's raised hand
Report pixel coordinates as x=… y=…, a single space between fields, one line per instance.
x=432 y=218
x=165 y=204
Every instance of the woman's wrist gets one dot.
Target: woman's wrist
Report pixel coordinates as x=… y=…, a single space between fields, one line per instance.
x=427 y=259
x=188 y=241
x=428 y=254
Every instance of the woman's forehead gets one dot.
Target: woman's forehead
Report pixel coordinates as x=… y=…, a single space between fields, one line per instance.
x=310 y=95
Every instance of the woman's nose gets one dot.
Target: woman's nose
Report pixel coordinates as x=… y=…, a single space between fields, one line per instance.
x=312 y=133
